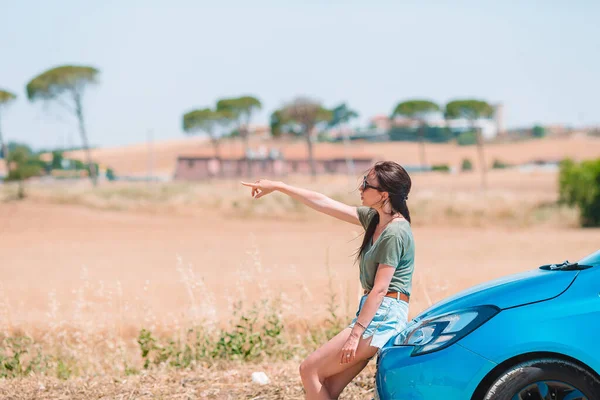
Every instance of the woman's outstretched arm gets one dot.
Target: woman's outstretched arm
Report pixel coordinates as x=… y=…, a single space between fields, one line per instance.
x=315 y=200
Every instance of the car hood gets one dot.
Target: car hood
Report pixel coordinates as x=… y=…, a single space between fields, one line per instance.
x=507 y=292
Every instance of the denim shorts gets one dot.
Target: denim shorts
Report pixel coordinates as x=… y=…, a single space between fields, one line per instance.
x=389 y=320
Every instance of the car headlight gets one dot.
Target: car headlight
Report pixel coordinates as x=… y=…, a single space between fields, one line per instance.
x=438 y=332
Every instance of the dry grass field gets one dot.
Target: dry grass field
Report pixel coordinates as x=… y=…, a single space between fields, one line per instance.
x=85 y=270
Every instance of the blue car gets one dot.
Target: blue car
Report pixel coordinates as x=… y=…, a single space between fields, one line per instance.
x=533 y=335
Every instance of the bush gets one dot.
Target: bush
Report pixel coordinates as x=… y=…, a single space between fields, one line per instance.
x=579 y=185
x=466 y=138
x=78 y=165
x=467 y=165
x=110 y=174
x=19 y=357
x=24 y=165
x=324 y=137
x=441 y=167
x=253 y=335
x=500 y=165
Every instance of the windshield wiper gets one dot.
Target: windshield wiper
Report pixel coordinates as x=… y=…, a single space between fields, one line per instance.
x=565 y=266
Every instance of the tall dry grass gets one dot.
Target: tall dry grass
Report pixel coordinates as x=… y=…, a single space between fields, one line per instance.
x=193 y=352
x=103 y=334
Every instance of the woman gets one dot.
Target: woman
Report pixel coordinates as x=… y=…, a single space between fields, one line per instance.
x=386 y=259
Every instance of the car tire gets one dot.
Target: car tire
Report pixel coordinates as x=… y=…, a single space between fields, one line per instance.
x=519 y=377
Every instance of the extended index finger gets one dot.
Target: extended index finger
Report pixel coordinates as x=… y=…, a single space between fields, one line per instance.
x=249 y=184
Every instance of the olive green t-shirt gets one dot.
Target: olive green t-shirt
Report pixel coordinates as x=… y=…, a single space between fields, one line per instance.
x=395 y=247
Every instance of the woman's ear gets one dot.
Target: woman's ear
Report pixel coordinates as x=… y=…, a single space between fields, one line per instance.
x=384 y=199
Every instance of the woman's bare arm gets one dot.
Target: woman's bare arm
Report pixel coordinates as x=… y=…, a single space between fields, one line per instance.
x=314 y=200
x=383 y=277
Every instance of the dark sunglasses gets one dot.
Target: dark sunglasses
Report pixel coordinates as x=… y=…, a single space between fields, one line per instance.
x=365 y=185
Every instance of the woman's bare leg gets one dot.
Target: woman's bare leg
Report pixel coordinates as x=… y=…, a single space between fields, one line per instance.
x=337 y=383
x=325 y=362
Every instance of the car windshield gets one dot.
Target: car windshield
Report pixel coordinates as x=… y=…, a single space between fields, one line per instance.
x=593 y=260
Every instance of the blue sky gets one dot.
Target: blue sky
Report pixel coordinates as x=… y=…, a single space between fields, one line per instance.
x=159 y=59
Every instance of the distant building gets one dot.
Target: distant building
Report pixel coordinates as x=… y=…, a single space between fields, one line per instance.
x=557 y=130
x=488 y=127
x=233 y=164
x=381 y=122
x=260 y=131
x=593 y=130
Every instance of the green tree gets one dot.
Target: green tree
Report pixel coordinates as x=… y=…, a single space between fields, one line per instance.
x=239 y=111
x=538 y=131
x=341 y=116
x=65 y=86
x=472 y=110
x=280 y=125
x=24 y=165
x=279 y=128
x=12 y=146
x=57 y=160
x=418 y=110
x=305 y=113
x=276 y=124
x=207 y=121
x=6 y=97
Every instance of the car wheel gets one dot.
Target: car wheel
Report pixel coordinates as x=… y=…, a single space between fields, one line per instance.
x=545 y=378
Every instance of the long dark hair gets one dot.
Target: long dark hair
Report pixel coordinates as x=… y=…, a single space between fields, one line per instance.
x=394 y=179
